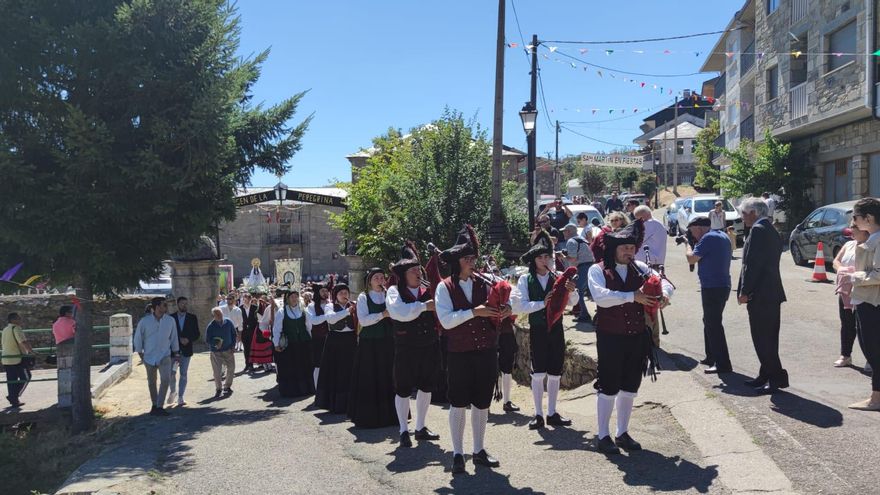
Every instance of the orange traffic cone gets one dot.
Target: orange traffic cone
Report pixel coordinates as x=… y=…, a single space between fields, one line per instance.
x=819 y=268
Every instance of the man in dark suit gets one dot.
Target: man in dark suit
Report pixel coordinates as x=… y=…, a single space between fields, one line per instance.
x=250 y=314
x=760 y=288
x=187 y=333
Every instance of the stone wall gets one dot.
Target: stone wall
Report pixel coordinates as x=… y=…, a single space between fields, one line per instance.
x=580 y=364
x=40 y=311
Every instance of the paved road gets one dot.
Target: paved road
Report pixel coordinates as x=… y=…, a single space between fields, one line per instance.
x=819 y=443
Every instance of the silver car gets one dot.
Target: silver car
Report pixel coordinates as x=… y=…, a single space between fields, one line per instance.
x=824 y=224
x=700 y=206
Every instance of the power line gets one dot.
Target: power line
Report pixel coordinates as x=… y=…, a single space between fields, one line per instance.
x=518 y=28
x=597 y=140
x=644 y=40
x=610 y=69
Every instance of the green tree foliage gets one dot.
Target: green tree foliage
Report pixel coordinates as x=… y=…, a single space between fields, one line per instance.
x=593 y=181
x=515 y=209
x=646 y=184
x=708 y=176
x=423 y=187
x=124 y=128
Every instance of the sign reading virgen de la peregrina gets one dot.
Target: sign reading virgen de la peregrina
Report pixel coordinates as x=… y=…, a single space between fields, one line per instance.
x=616 y=160
x=292 y=195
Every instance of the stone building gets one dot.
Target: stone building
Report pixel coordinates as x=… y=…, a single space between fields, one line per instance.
x=293 y=230
x=804 y=69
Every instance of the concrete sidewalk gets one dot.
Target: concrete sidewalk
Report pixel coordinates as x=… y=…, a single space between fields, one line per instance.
x=265 y=443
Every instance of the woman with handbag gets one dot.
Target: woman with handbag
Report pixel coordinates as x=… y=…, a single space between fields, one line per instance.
x=371 y=404
x=16 y=359
x=290 y=335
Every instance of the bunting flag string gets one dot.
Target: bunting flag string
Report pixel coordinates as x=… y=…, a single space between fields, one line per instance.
x=697 y=53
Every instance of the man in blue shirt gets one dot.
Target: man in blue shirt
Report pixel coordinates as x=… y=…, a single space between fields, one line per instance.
x=712 y=253
x=220 y=337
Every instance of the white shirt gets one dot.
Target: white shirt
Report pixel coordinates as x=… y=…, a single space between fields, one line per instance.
x=606 y=298
x=449 y=317
x=717 y=220
x=234 y=315
x=519 y=296
x=292 y=312
x=401 y=310
x=336 y=316
x=655 y=240
x=156 y=338
x=363 y=311
x=315 y=318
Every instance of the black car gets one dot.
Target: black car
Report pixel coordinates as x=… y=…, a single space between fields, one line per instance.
x=824 y=224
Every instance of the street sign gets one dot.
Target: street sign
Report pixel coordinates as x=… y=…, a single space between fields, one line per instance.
x=252 y=199
x=603 y=160
x=292 y=195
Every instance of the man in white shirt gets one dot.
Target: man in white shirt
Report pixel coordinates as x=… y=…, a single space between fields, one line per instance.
x=232 y=312
x=156 y=341
x=623 y=340
x=655 y=238
x=472 y=339
x=416 y=344
x=530 y=296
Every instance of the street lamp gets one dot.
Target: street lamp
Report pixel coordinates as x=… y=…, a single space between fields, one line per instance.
x=656 y=179
x=529 y=115
x=280 y=192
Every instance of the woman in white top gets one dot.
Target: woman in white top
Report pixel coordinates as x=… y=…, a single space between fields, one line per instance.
x=716 y=217
x=291 y=336
x=337 y=360
x=844 y=264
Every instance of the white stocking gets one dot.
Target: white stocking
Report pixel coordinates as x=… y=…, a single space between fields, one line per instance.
x=505 y=387
x=604 y=407
x=402 y=406
x=538 y=392
x=479 y=418
x=456 y=428
x=624 y=410
x=552 y=393
x=315 y=375
x=423 y=400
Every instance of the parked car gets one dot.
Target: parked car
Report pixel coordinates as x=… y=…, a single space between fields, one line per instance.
x=638 y=197
x=700 y=206
x=824 y=224
x=670 y=217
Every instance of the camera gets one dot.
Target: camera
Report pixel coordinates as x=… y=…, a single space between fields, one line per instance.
x=687 y=238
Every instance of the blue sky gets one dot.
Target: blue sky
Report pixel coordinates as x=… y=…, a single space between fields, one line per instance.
x=373 y=65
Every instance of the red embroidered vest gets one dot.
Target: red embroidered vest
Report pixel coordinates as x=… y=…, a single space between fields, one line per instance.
x=476 y=334
x=623 y=319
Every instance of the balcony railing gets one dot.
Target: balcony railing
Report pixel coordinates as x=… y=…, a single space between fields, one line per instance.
x=799 y=101
x=747 y=60
x=275 y=239
x=798 y=10
x=720 y=86
x=747 y=128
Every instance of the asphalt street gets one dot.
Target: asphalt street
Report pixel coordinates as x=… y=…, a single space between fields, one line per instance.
x=820 y=444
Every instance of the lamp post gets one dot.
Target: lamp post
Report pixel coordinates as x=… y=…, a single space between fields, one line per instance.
x=280 y=192
x=656 y=178
x=529 y=114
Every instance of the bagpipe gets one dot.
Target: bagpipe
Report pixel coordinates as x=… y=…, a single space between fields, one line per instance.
x=559 y=296
x=652 y=287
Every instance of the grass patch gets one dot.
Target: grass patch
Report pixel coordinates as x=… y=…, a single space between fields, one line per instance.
x=38 y=457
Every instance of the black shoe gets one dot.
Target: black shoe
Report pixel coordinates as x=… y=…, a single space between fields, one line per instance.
x=557 y=420
x=537 y=423
x=714 y=370
x=759 y=381
x=510 y=407
x=606 y=446
x=161 y=412
x=767 y=389
x=484 y=459
x=227 y=391
x=426 y=434
x=404 y=440
x=152 y=410
x=707 y=362
x=457 y=464
x=218 y=394
x=627 y=443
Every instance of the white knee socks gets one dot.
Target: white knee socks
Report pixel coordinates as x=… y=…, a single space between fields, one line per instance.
x=604 y=407
x=315 y=375
x=479 y=418
x=456 y=428
x=624 y=410
x=552 y=393
x=423 y=400
x=505 y=387
x=402 y=406
x=538 y=392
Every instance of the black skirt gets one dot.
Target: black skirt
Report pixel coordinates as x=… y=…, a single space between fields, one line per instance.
x=439 y=394
x=317 y=346
x=295 y=371
x=334 y=378
x=371 y=404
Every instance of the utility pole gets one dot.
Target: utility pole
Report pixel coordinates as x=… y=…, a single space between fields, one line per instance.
x=675 y=153
x=532 y=148
x=556 y=185
x=496 y=225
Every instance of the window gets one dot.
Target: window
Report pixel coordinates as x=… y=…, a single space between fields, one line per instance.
x=772 y=83
x=693 y=146
x=772 y=5
x=798 y=64
x=838 y=181
x=832 y=217
x=679 y=147
x=815 y=220
x=874 y=175
x=841 y=47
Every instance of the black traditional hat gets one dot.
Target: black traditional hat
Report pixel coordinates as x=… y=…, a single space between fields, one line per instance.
x=543 y=245
x=466 y=244
x=631 y=234
x=369 y=276
x=337 y=289
x=699 y=222
x=409 y=257
x=316 y=287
